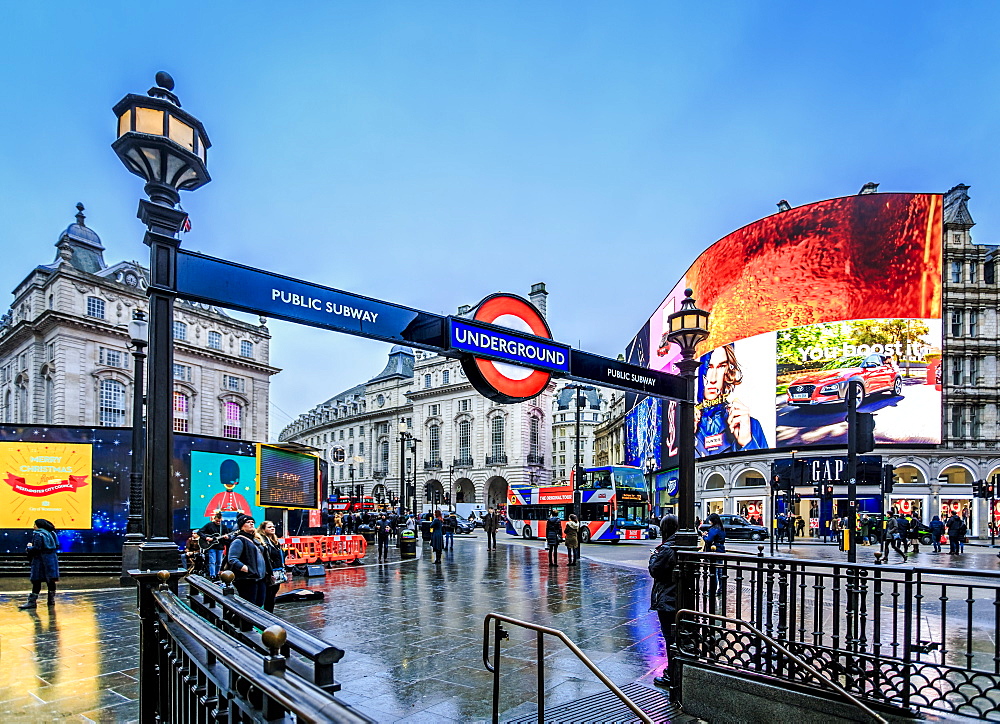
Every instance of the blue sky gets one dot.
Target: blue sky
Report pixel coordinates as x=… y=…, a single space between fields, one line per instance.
x=430 y=153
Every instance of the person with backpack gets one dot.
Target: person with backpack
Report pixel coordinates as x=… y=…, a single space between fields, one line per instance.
x=956 y=533
x=937 y=532
x=42 y=552
x=663 y=597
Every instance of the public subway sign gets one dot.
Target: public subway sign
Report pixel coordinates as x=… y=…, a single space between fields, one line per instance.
x=216 y=281
x=505 y=344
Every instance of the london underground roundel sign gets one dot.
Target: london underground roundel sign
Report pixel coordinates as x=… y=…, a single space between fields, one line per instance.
x=500 y=381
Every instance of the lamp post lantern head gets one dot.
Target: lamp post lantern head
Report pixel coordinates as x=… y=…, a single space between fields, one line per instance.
x=138 y=328
x=161 y=143
x=688 y=326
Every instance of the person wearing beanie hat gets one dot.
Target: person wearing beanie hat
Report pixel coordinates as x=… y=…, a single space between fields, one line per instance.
x=247 y=560
x=663 y=597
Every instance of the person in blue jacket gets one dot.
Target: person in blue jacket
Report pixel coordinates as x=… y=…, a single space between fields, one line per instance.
x=715 y=542
x=723 y=423
x=44 y=563
x=937 y=530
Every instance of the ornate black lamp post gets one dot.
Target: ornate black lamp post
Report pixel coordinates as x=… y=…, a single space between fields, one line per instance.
x=138 y=331
x=167 y=147
x=687 y=328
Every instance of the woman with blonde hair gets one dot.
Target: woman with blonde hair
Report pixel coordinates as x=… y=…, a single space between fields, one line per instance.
x=276 y=562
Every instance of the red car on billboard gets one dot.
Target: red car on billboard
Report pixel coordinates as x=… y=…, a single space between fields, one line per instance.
x=828 y=385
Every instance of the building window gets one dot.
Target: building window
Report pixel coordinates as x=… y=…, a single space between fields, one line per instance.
x=51 y=301
x=973 y=370
x=956 y=421
x=445 y=376
x=22 y=402
x=465 y=440
x=956 y=322
x=384 y=456
x=95 y=307
x=180 y=331
x=50 y=400
x=350 y=432
x=214 y=340
x=246 y=349
x=350 y=451
x=234 y=421
x=973 y=322
x=341 y=472
x=427 y=381
x=181 y=405
x=464 y=405
x=989 y=273
x=497 y=437
x=112 y=407
x=434 y=442
x=361 y=448
x=976 y=421
x=112 y=357
x=956 y=272
x=341 y=434
x=361 y=430
x=8 y=408
x=182 y=372
x=231 y=382
x=434 y=410
x=973 y=272
x=562 y=444
x=533 y=436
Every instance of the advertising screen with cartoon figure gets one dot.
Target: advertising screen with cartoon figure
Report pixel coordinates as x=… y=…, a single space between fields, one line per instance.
x=804 y=304
x=46 y=480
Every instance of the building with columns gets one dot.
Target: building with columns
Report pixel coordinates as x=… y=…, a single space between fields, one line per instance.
x=609 y=435
x=592 y=408
x=926 y=480
x=65 y=357
x=464 y=448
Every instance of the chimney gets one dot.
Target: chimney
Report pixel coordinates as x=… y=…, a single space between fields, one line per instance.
x=869 y=188
x=537 y=297
x=784 y=205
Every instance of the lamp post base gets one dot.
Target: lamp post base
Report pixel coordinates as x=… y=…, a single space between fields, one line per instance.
x=157 y=555
x=687 y=540
x=130 y=560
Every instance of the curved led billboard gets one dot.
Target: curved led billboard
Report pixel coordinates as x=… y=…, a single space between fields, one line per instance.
x=804 y=304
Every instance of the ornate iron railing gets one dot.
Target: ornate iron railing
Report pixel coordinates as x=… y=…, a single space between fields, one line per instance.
x=496 y=459
x=535 y=459
x=464 y=462
x=911 y=638
x=435 y=464
x=216 y=669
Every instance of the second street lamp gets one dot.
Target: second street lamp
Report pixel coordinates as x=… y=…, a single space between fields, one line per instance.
x=687 y=328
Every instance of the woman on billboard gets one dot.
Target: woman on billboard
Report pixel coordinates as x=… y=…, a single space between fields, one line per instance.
x=723 y=423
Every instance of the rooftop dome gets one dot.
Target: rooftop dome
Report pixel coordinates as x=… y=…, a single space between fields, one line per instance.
x=81 y=246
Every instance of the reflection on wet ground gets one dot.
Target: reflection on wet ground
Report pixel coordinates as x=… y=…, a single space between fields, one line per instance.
x=412 y=632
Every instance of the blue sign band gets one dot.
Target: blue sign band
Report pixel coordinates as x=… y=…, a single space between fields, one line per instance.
x=215 y=281
x=507 y=346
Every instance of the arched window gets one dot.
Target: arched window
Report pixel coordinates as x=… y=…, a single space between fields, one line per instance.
x=182 y=404
x=8 y=407
x=214 y=340
x=465 y=442
x=50 y=400
x=22 y=402
x=112 y=404
x=180 y=331
x=95 y=307
x=246 y=348
x=533 y=437
x=497 y=438
x=434 y=443
x=233 y=422
x=384 y=456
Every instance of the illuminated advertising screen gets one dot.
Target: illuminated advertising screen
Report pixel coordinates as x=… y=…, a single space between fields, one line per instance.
x=287 y=479
x=805 y=304
x=223 y=483
x=46 y=480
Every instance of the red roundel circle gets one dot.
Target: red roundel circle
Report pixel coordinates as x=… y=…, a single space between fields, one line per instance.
x=499 y=381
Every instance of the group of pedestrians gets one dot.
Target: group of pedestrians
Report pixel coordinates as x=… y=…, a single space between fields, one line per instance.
x=556 y=533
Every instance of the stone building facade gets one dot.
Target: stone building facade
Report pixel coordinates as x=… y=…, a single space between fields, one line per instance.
x=465 y=448
x=593 y=410
x=65 y=356
x=609 y=435
x=926 y=480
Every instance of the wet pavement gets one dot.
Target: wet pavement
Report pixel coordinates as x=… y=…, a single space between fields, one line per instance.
x=412 y=631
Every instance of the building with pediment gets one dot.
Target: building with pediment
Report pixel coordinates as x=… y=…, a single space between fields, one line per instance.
x=65 y=357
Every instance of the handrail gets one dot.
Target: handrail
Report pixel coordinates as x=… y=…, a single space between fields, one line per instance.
x=541 y=672
x=809 y=667
x=294 y=694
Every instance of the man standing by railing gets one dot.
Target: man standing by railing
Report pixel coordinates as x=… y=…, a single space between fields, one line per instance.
x=663 y=597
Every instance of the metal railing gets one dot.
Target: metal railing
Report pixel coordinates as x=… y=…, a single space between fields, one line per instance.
x=534 y=459
x=500 y=633
x=468 y=462
x=687 y=615
x=196 y=669
x=435 y=464
x=904 y=637
x=496 y=459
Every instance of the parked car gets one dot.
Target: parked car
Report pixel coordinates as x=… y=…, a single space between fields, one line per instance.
x=828 y=385
x=739 y=528
x=465 y=527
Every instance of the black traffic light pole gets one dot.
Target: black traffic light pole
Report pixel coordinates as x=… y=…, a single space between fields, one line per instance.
x=852 y=472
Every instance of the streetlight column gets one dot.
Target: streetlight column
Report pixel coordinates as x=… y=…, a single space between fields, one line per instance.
x=167 y=147
x=687 y=328
x=139 y=334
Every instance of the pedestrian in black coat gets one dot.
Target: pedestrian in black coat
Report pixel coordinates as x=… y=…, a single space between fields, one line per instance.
x=246 y=559
x=663 y=597
x=553 y=536
x=44 y=563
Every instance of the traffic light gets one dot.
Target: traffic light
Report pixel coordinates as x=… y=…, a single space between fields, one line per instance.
x=781 y=478
x=798 y=472
x=827 y=492
x=818 y=491
x=796 y=499
x=989 y=490
x=866 y=432
x=978 y=488
x=888 y=475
